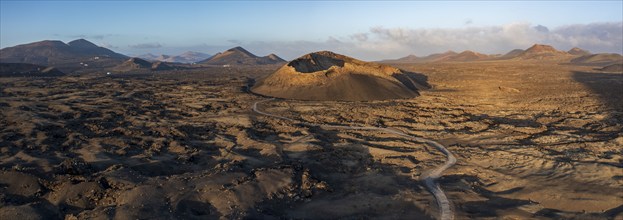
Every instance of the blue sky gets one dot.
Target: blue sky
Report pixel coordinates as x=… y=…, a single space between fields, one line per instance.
x=368 y=30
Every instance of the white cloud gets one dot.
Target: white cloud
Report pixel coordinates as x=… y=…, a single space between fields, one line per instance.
x=384 y=43
x=359 y=36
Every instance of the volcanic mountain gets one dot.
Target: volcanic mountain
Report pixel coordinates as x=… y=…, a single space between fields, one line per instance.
x=138 y=64
x=326 y=75
x=511 y=54
x=449 y=56
x=26 y=69
x=186 y=57
x=408 y=59
x=133 y=64
x=467 y=55
x=148 y=56
x=438 y=57
x=70 y=56
x=240 y=56
x=159 y=65
x=578 y=51
x=542 y=52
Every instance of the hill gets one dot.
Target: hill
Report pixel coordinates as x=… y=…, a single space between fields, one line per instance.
x=578 y=51
x=511 y=54
x=617 y=67
x=133 y=64
x=27 y=70
x=600 y=59
x=326 y=75
x=148 y=56
x=138 y=64
x=542 y=52
x=159 y=65
x=188 y=57
x=240 y=56
x=437 y=57
x=408 y=59
x=449 y=56
x=466 y=56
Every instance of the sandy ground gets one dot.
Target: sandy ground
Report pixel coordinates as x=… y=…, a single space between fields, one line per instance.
x=533 y=140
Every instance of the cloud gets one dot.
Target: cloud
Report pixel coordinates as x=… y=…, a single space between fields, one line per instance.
x=146 y=46
x=596 y=37
x=91 y=36
x=468 y=21
x=381 y=42
x=359 y=36
x=109 y=46
x=541 y=28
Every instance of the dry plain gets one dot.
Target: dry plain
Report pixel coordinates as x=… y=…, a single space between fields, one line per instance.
x=533 y=140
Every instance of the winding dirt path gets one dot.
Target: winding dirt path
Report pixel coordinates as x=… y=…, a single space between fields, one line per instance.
x=445 y=209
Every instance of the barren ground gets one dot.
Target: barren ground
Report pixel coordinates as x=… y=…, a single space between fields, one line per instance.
x=533 y=140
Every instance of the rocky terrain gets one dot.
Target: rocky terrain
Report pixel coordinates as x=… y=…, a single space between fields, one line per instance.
x=27 y=70
x=186 y=144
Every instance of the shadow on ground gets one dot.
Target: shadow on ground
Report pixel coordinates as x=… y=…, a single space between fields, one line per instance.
x=608 y=86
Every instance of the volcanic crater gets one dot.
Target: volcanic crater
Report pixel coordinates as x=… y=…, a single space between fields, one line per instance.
x=328 y=76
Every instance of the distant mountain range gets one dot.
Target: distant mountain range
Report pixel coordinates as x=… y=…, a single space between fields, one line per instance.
x=83 y=55
x=535 y=52
x=187 y=57
x=75 y=54
x=240 y=56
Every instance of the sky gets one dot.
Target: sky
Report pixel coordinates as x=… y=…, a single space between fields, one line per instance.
x=368 y=30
